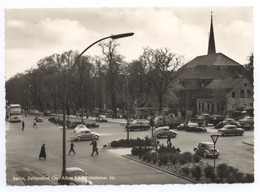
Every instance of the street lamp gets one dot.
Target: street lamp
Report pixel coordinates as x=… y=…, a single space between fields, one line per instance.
x=118 y=36
x=214 y=139
x=81 y=92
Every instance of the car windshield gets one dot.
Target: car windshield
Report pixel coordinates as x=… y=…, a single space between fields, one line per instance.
x=209 y=146
x=76 y=173
x=81 y=126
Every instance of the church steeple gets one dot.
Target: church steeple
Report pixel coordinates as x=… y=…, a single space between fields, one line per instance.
x=211 y=47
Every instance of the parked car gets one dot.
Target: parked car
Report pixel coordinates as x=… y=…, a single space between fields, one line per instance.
x=206 y=149
x=101 y=118
x=79 y=126
x=138 y=124
x=247 y=121
x=84 y=134
x=164 y=132
x=74 y=176
x=38 y=119
x=215 y=119
x=47 y=113
x=231 y=130
x=228 y=121
x=92 y=125
x=200 y=119
x=34 y=112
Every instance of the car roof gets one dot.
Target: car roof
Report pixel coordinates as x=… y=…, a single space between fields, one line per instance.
x=159 y=128
x=81 y=125
x=206 y=142
x=83 y=129
x=225 y=126
x=72 y=169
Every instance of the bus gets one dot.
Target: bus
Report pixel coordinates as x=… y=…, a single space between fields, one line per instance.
x=14 y=113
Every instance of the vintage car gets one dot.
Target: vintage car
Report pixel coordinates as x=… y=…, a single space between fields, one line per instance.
x=74 y=176
x=231 y=130
x=206 y=149
x=38 y=119
x=47 y=113
x=84 y=134
x=160 y=132
x=247 y=121
x=138 y=124
x=79 y=126
x=228 y=121
x=101 y=118
x=200 y=119
x=215 y=119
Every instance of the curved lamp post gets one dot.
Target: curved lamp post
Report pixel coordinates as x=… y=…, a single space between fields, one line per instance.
x=65 y=95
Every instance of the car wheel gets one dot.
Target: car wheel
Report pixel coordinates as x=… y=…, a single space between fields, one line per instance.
x=205 y=154
x=173 y=135
x=78 y=138
x=96 y=137
x=159 y=135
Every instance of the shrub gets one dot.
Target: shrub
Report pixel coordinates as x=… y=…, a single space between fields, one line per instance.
x=186 y=170
x=174 y=158
x=163 y=158
x=234 y=176
x=196 y=172
x=222 y=170
x=210 y=172
x=131 y=142
x=249 y=178
x=182 y=159
x=196 y=158
x=187 y=156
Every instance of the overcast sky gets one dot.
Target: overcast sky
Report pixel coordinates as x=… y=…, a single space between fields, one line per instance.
x=32 y=34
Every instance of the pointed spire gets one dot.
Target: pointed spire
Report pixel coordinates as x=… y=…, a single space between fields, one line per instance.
x=211 y=47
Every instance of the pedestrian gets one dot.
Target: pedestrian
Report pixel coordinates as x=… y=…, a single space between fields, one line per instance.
x=34 y=124
x=72 y=148
x=42 y=152
x=169 y=143
x=94 y=147
x=23 y=125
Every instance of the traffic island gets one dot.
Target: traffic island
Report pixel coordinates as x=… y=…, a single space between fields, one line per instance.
x=190 y=167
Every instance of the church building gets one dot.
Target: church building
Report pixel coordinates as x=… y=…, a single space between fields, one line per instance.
x=214 y=83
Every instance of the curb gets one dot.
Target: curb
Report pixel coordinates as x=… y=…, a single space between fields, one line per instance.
x=158 y=168
x=247 y=143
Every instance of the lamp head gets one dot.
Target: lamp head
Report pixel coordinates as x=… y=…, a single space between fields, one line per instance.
x=121 y=35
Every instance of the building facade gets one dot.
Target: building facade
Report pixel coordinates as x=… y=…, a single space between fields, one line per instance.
x=215 y=83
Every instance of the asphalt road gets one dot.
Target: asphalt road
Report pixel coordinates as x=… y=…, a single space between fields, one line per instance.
x=23 y=147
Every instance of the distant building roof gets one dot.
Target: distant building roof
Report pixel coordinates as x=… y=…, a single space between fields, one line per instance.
x=225 y=83
x=217 y=59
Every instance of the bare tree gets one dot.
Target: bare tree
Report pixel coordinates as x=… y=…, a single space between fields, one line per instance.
x=113 y=61
x=162 y=69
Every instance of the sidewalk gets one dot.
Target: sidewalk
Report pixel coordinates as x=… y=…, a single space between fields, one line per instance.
x=112 y=120
x=11 y=175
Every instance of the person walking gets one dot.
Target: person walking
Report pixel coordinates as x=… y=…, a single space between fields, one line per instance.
x=72 y=148
x=22 y=125
x=34 y=124
x=94 y=147
x=169 y=143
x=42 y=152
